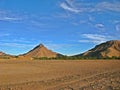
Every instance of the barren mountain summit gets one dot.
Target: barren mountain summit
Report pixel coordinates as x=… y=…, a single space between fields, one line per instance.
x=107 y=49
x=2 y=54
x=41 y=51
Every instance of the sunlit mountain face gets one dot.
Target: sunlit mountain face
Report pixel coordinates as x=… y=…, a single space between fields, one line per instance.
x=40 y=51
x=106 y=49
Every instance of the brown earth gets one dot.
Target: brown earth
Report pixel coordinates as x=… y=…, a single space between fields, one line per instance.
x=60 y=75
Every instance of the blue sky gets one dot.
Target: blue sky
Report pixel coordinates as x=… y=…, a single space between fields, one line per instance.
x=65 y=26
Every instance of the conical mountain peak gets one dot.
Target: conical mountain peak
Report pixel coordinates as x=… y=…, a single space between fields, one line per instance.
x=41 y=45
x=41 y=51
x=38 y=47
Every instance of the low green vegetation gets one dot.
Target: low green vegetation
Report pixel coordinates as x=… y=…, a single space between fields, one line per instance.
x=67 y=58
x=76 y=58
x=4 y=57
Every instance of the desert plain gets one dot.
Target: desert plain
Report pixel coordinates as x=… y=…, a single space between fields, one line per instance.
x=59 y=75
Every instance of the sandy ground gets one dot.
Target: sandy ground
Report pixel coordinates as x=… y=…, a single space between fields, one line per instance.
x=59 y=75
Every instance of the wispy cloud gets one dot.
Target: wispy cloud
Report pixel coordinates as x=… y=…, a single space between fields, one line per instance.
x=94 y=38
x=100 y=26
x=4 y=34
x=78 y=7
x=83 y=9
x=62 y=15
x=84 y=41
x=117 y=27
x=116 y=21
x=111 y=6
x=69 y=6
x=16 y=40
x=8 y=16
x=37 y=23
x=16 y=45
x=29 y=20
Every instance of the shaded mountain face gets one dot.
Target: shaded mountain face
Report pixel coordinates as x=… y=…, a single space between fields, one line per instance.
x=107 y=49
x=41 y=51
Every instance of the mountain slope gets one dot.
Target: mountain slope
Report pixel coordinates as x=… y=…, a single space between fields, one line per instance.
x=107 y=49
x=41 y=51
x=5 y=56
x=2 y=54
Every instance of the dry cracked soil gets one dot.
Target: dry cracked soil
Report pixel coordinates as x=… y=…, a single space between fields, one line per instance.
x=60 y=75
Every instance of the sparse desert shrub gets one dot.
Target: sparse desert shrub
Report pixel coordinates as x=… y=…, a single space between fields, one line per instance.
x=4 y=57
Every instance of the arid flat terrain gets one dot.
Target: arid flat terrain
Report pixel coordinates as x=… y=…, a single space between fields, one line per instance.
x=59 y=75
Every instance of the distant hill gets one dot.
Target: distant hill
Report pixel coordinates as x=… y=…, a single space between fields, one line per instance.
x=107 y=49
x=2 y=54
x=41 y=51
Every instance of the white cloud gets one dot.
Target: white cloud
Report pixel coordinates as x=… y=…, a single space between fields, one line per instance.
x=94 y=38
x=62 y=15
x=4 y=34
x=8 y=16
x=17 y=40
x=68 y=5
x=90 y=18
x=30 y=20
x=116 y=22
x=16 y=45
x=78 y=7
x=99 y=26
x=37 y=23
x=115 y=6
x=118 y=27
x=84 y=41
